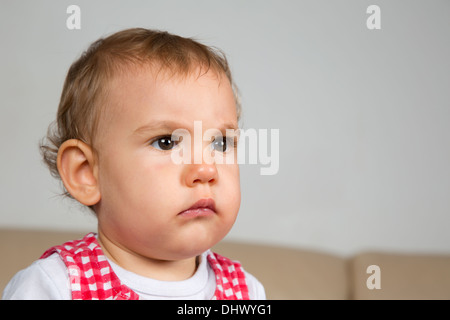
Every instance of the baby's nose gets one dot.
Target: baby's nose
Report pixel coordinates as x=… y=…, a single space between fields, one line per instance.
x=201 y=173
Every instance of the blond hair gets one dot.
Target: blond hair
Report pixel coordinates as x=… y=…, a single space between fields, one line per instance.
x=84 y=88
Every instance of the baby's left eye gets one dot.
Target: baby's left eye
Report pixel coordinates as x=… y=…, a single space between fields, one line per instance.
x=221 y=144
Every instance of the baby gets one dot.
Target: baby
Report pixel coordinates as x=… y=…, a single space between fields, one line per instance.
x=113 y=147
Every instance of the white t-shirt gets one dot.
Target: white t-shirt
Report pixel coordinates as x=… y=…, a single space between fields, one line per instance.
x=48 y=279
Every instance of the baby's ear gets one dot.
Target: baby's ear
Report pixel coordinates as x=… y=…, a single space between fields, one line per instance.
x=78 y=170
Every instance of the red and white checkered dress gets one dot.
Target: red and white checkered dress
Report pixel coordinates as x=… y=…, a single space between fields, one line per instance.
x=91 y=276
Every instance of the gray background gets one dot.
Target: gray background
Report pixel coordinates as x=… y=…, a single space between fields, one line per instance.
x=364 y=115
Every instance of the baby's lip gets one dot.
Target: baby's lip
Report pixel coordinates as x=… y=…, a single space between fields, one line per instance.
x=202 y=205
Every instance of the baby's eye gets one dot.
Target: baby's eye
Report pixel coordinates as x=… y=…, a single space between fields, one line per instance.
x=164 y=143
x=222 y=144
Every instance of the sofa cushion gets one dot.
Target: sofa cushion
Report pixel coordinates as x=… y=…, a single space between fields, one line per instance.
x=290 y=273
x=402 y=276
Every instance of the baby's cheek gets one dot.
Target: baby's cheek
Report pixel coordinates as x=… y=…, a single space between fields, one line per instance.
x=160 y=167
x=231 y=187
x=163 y=179
x=230 y=173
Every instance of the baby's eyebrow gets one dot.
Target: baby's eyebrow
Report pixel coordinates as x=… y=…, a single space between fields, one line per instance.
x=170 y=125
x=167 y=125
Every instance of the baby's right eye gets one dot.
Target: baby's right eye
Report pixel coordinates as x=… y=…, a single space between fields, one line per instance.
x=164 y=143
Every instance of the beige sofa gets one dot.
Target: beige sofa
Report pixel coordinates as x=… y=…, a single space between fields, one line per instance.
x=285 y=272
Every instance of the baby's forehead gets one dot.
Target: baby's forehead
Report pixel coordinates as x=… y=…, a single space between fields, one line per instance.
x=148 y=78
x=151 y=91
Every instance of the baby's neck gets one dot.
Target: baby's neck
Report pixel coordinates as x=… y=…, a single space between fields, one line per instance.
x=164 y=270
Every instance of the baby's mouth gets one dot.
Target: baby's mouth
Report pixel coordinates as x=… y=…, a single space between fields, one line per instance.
x=202 y=208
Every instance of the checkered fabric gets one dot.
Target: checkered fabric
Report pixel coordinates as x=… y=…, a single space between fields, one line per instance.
x=230 y=278
x=92 y=278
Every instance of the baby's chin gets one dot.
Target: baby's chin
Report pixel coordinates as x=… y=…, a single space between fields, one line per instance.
x=189 y=248
x=201 y=239
x=190 y=251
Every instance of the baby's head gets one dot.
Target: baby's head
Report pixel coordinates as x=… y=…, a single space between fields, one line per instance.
x=112 y=144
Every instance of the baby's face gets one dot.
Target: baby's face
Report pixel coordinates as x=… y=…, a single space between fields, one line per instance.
x=144 y=192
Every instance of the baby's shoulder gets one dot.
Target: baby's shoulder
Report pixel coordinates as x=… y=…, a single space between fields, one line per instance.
x=43 y=279
x=256 y=290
